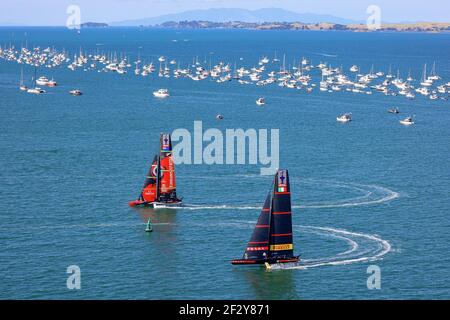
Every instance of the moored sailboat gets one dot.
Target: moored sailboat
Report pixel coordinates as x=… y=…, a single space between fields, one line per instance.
x=159 y=190
x=22 y=86
x=36 y=89
x=75 y=92
x=394 y=110
x=271 y=242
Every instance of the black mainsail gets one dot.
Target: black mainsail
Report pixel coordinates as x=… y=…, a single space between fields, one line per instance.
x=258 y=246
x=272 y=240
x=281 y=242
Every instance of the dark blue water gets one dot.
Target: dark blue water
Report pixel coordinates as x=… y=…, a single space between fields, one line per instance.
x=371 y=192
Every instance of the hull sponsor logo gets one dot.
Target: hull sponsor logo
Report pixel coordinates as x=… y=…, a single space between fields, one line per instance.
x=281 y=247
x=257 y=248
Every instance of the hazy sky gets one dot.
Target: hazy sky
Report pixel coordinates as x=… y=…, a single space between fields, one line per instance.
x=53 y=12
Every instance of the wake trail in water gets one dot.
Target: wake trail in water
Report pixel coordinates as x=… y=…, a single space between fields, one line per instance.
x=373 y=194
x=218 y=207
x=363 y=248
x=326 y=54
x=381 y=194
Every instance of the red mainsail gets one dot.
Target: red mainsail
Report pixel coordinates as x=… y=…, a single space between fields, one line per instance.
x=167 y=178
x=160 y=182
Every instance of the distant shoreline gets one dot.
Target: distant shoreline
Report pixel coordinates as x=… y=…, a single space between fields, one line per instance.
x=423 y=27
x=299 y=26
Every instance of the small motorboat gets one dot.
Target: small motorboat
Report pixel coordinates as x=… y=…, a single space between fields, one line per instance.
x=394 y=110
x=52 y=83
x=36 y=90
x=354 y=68
x=219 y=117
x=161 y=93
x=410 y=95
x=42 y=81
x=75 y=92
x=434 y=97
x=407 y=122
x=260 y=102
x=347 y=117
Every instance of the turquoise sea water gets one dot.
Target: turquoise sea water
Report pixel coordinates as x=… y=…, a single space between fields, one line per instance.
x=370 y=192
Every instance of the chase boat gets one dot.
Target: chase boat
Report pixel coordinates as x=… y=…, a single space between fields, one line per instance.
x=344 y=118
x=260 y=102
x=161 y=93
x=407 y=122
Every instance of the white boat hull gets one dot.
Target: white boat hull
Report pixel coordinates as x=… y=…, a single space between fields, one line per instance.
x=162 y=205
x=35 y=91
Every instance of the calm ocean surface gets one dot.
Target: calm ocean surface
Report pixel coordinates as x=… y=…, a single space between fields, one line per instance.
x=370 y=192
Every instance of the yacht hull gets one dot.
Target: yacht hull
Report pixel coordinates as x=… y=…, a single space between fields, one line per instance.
x=265 y=261
x=155 y=205
x=281 y=266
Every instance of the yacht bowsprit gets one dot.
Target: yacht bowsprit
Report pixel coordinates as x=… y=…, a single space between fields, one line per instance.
x=271 y=242
x=159 y=190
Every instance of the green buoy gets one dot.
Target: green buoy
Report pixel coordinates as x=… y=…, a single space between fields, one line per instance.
x=149 y=226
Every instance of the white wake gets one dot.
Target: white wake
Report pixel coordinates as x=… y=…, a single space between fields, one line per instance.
x=363 y=248
x=371 y=194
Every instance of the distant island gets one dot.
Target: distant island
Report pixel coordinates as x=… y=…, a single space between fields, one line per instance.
x=357 y=27
x=236 y=14
x=271 y=19
x=322 y=26
x=94 y=25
